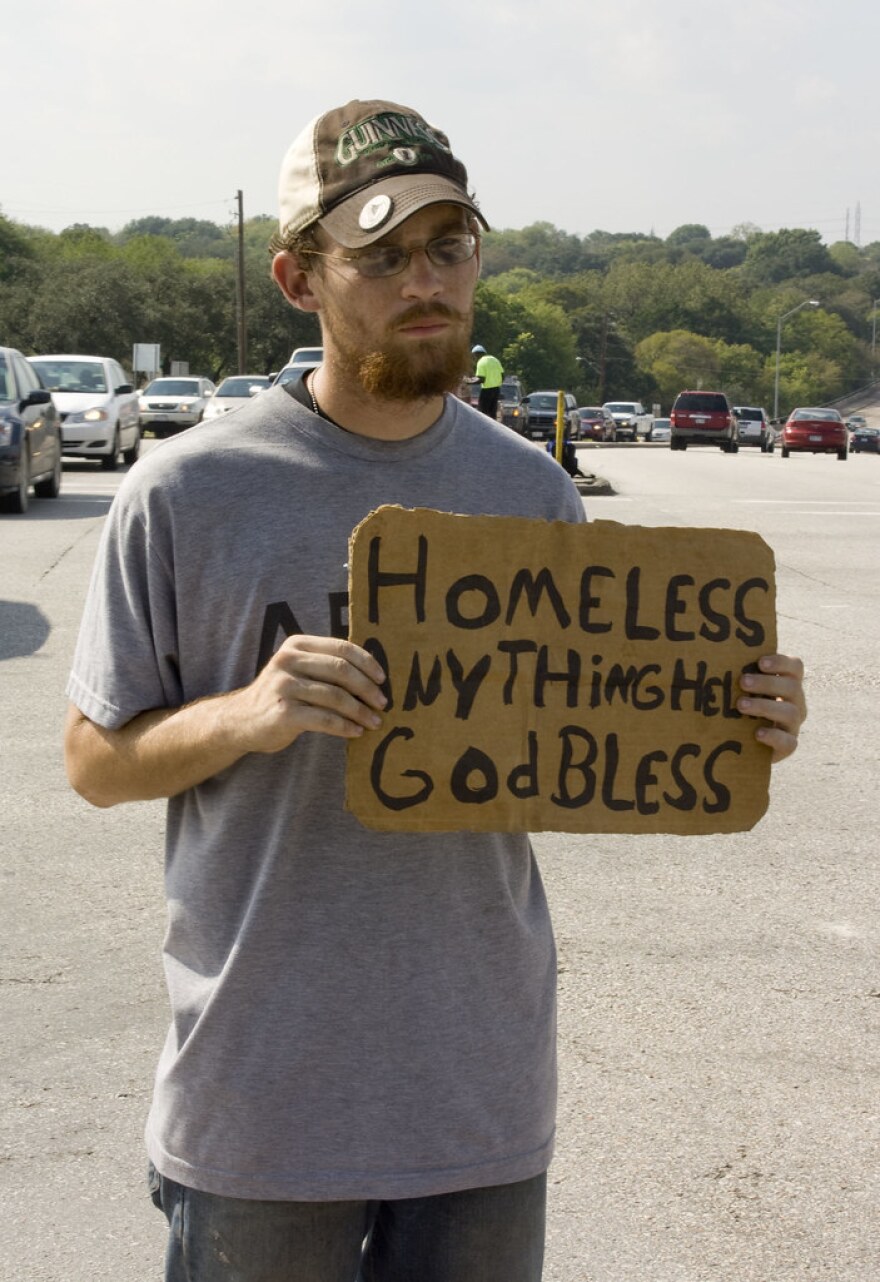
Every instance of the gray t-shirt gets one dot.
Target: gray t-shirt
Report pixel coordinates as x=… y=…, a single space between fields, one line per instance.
x=354 y=1014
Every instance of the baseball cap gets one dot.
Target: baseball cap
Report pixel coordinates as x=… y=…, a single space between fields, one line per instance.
x=478 y=348
x=361 y=169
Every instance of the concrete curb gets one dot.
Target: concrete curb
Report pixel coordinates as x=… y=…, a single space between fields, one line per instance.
x=592 y=484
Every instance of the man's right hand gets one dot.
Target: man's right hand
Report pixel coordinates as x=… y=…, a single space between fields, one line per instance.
x=311 y=683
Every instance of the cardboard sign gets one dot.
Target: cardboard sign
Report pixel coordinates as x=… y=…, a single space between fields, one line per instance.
x=550 y=676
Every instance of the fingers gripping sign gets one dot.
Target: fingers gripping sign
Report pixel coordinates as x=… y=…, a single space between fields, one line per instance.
x=776 y=694
x=322 y=684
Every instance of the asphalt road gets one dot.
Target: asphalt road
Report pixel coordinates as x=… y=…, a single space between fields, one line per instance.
x=720 y=996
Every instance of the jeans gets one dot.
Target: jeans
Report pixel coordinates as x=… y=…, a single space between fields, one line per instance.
x=480 y=1235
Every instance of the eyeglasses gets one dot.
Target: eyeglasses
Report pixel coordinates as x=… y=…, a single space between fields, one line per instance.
x=391 y=260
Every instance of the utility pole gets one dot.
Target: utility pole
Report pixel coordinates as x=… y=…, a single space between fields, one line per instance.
x=239 y=293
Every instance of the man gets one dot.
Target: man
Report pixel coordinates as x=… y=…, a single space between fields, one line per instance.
x=359 y=1076
x=490 y=372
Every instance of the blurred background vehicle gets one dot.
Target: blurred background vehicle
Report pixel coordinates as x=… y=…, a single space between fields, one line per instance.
x=661 y=429
x=631 y=419
x=865 y=440
x=540 y=410
x=301 y=361
x=811 y=430
x=753 y=427
x=310 y=356
x=510 y=407
x=97 y=404
x=855 y=421
x=235 y=391
x=703 y=418
x=30 y=435
x=169 y=405
x=596 y=423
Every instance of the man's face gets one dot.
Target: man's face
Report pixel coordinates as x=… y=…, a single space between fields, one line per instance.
x=404 y=337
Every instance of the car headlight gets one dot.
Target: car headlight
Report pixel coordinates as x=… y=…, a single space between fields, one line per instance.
x=88 y=416
x=185 y=406
x=5 y=431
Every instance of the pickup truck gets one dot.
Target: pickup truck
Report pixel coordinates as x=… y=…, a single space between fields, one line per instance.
x=631 y=419
x=540 y=410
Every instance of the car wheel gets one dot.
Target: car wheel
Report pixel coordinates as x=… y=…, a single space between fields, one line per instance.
x=50 y=487
x=841 y=454
x=17 y=501
x=132 y=455
x=785 y=451
x=110 y=461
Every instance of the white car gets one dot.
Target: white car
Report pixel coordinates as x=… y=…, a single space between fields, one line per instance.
x=97 y=404
x=310 y=356
x=631 y=419
x=169 y=405
x=235 y=391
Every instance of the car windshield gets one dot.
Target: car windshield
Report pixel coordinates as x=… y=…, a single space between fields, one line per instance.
x=590 y=412
x=745 y=412
x=621 y=407
x=172 y=387
x=824 y=416
x=241 y=386
x=509 y=392
x=5 y=381
x=309 y=356
x=289 y=374
x=537 y=401
x=71 y=376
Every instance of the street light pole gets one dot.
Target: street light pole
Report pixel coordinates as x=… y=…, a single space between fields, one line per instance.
x=874 y=340
x=808 y=302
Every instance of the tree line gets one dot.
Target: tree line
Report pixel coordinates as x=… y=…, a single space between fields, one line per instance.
x=605 y=316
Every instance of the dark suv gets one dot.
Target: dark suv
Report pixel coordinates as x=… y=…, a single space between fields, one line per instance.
x=703 y=418
x=540 y=409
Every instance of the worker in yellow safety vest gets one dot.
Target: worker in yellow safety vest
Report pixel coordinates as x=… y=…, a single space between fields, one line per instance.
x=490 y=372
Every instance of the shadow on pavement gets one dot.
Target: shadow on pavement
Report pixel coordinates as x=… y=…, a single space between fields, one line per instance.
x=24 y=629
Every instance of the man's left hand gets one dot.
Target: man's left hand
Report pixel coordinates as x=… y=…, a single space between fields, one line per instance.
x=776 y=693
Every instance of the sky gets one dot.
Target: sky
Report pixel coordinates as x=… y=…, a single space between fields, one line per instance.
x=619 y=115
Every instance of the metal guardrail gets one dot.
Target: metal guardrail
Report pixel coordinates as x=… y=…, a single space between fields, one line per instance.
x=859 y=399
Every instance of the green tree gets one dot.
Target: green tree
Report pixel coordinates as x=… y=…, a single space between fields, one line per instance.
x=677 y=359
x=784 y=255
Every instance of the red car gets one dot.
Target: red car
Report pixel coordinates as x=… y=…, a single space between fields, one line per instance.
x=814 y=431
x=597 y=423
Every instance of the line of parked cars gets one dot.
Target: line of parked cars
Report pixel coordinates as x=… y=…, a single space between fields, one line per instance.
x=87 y=407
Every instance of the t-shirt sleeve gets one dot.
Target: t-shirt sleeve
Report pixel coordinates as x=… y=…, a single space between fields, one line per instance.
x=126 y=657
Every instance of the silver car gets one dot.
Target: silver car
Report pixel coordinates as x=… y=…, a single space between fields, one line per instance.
x=97 y=405
x=235 y=391
x=169 y=405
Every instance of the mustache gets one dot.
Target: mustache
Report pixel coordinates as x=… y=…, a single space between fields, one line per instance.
x=429 y=312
